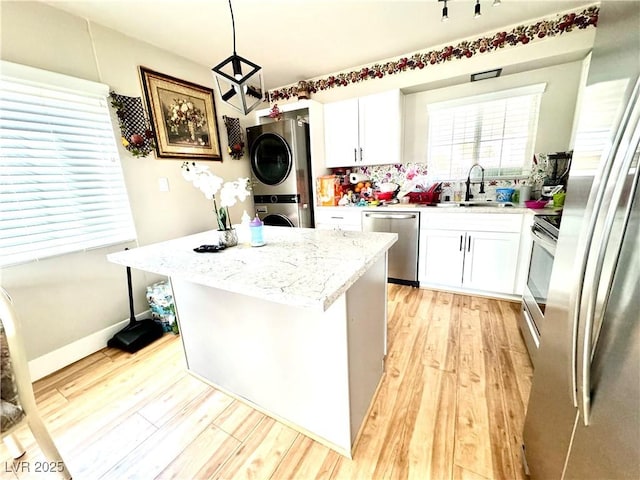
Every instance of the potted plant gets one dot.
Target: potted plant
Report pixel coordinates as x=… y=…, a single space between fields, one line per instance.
x=230 y=192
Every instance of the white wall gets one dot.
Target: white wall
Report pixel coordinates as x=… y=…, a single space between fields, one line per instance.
x=63 y=299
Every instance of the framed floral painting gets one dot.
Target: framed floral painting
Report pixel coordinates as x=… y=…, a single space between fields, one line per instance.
x=183 y=116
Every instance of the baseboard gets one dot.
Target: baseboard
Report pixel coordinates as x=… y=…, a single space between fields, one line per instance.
x=53 y=361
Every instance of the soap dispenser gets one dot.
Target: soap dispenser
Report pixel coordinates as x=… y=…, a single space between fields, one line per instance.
x=244 y=233
x=257 y=238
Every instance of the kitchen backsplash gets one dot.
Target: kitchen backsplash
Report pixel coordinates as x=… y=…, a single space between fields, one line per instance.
x=398 y=173
x=417 y=173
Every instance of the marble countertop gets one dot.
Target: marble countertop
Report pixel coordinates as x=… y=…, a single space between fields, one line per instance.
x=300 y=267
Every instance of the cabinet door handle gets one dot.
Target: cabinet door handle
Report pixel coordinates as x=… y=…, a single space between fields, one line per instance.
x=469 y=246
x=360 y=153
x=460 y=242
x=355 y=154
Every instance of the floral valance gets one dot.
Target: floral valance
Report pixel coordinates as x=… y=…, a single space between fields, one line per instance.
x=521 y=35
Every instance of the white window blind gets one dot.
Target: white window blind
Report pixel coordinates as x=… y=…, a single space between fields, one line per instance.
x=600 y=112
x=61 y=183
x=496 y=130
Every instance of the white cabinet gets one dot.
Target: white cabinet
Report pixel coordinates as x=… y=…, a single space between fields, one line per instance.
x=441 y=257
x=490 y=261
x=364 y=131
x=338 y=218
x=477 y=252
x=341 y=133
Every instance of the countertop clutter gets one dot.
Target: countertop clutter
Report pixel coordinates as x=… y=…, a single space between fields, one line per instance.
x=343 y=189
x=298 y=267
x=490 y=207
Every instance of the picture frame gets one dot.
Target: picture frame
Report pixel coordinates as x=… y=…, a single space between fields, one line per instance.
x=183 y=117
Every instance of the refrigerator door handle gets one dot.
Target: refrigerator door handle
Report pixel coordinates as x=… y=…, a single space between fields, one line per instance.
x=616 y=185
x=600 y=183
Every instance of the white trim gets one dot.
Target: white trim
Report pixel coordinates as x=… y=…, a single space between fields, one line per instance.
x=53 y=361
x=488 y=97
x=52 y=79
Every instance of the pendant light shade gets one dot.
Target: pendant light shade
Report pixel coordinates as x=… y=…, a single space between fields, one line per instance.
x=445 y=12
x=476 y=10
x=240 y=83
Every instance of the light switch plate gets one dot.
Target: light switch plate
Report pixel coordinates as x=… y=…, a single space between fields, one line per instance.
x=163 y=184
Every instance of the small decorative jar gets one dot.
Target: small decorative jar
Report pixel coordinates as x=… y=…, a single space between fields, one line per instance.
x=257 y=238
x=303 y=90
x=525 y=193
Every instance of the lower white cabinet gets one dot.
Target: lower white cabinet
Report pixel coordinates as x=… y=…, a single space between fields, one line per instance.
x=479 y=260
x=338 y=218
x=442 y=257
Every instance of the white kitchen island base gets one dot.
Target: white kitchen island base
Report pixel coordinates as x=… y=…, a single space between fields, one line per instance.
x=296 y=328
x=315 y=370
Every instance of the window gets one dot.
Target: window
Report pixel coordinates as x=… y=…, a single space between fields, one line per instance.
x=61 y=183
x=496 y=130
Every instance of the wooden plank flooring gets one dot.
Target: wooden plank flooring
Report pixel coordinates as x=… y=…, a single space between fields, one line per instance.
x=451 y=406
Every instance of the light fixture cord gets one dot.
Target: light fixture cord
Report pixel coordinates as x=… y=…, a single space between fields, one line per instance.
x=233 y=26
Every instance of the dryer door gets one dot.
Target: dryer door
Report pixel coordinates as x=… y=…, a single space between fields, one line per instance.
x=271 y=159
x=277 y=220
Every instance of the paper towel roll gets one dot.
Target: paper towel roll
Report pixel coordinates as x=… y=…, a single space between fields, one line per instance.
x=357 y=178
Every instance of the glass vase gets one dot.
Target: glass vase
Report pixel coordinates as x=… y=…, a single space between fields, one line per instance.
x=228 y=238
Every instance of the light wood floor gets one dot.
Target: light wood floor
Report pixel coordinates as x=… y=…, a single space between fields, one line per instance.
x=451 y=406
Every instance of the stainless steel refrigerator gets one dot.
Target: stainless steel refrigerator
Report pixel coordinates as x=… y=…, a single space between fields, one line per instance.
x=583 y=417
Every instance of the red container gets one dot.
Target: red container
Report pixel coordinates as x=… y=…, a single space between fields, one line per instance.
x=384 y=195
x=430 y=196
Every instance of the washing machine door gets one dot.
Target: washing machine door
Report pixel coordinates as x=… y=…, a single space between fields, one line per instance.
x=277 y=220
x=271 y=159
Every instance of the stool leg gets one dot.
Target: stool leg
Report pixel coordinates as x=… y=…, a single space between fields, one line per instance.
x=15 y=447
x=46 y=444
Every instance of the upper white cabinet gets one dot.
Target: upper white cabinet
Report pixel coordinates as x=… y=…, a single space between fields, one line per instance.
x=364 y=131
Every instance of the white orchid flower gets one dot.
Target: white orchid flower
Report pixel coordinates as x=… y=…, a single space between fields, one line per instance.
x=209 y=185
x=188 y=173
x=242 y=188
x=228 y=194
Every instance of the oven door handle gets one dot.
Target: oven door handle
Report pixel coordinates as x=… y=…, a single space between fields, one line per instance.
x=544 y=241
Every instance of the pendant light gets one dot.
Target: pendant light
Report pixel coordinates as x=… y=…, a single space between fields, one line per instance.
x=239 y=80
x=445 y=12
x=477 y=9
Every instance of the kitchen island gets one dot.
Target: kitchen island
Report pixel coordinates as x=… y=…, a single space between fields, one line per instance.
x=296 y=328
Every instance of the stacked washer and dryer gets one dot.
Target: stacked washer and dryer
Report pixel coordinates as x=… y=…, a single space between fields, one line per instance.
x=280 y=173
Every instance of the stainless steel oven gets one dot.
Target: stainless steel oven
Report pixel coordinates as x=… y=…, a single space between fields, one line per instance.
x=534 y=300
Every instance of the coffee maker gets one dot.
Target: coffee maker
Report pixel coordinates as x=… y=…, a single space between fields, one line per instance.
x=556 y=174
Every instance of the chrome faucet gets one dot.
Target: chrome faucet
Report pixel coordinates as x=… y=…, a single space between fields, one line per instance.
x=467 y=195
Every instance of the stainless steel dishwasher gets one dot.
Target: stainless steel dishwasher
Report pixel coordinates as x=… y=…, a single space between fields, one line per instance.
x=403 y=255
